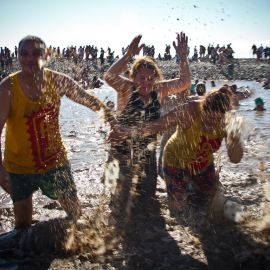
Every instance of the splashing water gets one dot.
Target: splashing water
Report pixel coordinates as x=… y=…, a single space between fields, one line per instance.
x=238 y=126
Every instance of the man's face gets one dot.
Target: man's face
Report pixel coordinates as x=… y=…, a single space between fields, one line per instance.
x=32 y=57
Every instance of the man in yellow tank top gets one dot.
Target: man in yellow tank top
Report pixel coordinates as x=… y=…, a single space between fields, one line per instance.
x=34 y=156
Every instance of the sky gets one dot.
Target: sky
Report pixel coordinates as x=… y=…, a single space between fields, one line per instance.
x=114 y=23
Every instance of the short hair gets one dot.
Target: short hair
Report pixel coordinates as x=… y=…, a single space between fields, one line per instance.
x=32 y=39
x=145 y=62
x=218 y=100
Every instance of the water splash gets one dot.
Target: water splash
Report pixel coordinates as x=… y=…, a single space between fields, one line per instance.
x=238 y=126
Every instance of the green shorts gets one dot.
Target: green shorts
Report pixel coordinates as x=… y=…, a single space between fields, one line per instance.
x=54 y=183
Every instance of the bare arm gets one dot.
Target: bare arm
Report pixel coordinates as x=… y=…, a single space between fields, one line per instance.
x=234 y=147
x=183 y=83
x=5 y=99
x=183 y=116
x=113 y=75
x=67 y=86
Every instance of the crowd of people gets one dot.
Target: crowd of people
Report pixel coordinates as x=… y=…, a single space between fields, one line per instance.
x=106 y=57
x=261 y=52
x=215 y=54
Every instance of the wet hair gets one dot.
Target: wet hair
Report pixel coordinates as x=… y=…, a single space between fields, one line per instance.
x=145 y=62
x=218 y=100
x=30 y=38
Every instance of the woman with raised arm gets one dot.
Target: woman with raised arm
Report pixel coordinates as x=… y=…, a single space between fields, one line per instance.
x=140 y=99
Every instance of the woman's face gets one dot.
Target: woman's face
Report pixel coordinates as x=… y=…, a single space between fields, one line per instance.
x=145 y=79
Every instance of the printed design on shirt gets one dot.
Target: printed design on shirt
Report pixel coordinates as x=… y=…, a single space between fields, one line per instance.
x=206 y=148
x=44 y=136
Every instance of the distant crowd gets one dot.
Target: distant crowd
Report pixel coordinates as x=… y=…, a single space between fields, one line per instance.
x=261 y=52
x=215 y=54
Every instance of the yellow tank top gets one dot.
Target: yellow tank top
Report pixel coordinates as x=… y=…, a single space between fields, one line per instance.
x=33 y=141
x=192 y=148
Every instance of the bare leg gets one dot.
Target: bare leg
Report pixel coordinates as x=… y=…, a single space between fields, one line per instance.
x=23 y=211
x=165 y=137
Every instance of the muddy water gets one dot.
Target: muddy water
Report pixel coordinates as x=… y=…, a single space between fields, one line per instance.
x=83 y=134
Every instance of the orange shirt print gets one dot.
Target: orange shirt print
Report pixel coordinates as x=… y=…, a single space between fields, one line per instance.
x=44 y=136
x=205 y=153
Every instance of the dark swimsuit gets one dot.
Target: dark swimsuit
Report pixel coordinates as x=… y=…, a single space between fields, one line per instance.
x=134 y=157
x=136 y=113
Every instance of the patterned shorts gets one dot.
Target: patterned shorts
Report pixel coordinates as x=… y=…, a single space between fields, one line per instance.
x=180 y=182
x=54 y=183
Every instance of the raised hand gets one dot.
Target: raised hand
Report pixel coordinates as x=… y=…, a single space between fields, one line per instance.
x=181 y=47
x=134 y=47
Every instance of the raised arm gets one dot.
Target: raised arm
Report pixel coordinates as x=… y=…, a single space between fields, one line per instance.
x=113 y=75
x=183 y=83
x=5 y=99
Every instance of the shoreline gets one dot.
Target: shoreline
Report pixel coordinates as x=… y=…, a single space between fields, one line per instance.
x=244 y=69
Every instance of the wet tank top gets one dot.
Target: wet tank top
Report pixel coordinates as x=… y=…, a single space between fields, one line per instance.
x=192 y=148
x=136 y=112
x=33 y=141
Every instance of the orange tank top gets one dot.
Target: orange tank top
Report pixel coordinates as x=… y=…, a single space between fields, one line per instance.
x=33 y=140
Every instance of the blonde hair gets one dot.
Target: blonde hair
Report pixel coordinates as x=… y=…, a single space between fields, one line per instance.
x=218 y=100
x=145 y=62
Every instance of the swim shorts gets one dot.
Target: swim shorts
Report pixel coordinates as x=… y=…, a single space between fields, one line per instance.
x=180 y=182
x=52 y=184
